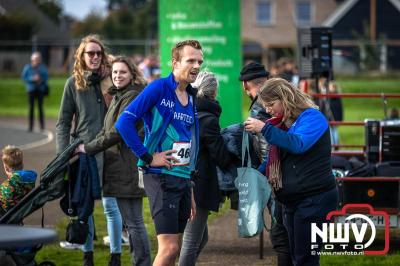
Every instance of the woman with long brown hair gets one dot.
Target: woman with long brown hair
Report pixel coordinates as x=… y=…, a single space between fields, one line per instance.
x=298 y=165
x=121 y=178
x=82 y=110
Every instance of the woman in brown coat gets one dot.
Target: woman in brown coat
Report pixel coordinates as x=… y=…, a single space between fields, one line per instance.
x=120 y=178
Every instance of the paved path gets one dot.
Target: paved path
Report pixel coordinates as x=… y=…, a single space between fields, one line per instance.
x=223 y=248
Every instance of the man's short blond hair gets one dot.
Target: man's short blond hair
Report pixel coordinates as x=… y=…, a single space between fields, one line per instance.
x=12 y=157
x=177 y=49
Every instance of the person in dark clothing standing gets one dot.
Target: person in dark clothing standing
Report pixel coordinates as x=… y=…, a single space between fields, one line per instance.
x=212 y=153
x=35 y=76
x=253 y=76
x=331 y=107
x=298 y=165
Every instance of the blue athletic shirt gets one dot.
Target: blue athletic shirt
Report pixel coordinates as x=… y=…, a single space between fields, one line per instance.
x=165 y=121
x=179 y=131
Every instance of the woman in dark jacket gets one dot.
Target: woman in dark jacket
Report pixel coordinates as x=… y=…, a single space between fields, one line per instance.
x=212 y=152
x=120 y=179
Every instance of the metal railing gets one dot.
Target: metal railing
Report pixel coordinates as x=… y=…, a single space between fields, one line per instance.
x=361 y=149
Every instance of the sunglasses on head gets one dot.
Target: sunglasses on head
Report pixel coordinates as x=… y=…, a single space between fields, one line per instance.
x=91 y=54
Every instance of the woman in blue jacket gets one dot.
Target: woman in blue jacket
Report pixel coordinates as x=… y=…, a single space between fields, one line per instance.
x=299 y=162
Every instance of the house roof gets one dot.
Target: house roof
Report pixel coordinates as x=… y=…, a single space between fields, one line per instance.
x=48 y=30
x=345 y=7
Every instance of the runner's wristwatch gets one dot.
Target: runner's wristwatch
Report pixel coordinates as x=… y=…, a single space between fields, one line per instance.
x=147 y=158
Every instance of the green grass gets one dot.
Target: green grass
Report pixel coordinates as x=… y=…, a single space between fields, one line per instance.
x=366 y=108
x=388 y=260
x=14 y=99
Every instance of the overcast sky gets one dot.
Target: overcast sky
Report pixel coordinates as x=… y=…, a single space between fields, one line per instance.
x=80 y=8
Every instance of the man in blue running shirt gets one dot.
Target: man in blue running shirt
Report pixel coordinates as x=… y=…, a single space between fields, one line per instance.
x=168 y=153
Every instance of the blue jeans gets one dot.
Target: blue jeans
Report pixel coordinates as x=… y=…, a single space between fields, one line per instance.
x=297 y=218
x=114 y=226
x=114 y=223
x=334 y=135
x=132 y=214
x=195 y=238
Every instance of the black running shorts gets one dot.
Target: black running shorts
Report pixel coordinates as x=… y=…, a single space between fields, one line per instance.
x=170 y=201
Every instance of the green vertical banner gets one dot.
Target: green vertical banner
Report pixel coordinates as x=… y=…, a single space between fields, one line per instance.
x=216 y=25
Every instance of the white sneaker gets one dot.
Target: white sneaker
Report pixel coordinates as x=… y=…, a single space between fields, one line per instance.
x=68 y=245
x=106 y=240
x=125 y=240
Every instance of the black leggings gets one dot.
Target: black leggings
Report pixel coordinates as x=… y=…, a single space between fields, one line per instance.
x=31 y=97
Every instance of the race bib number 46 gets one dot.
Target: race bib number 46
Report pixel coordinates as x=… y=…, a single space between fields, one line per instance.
x=182 y=153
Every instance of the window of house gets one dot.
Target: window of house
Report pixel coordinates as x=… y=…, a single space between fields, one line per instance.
x=264 y=13
x=303 y=12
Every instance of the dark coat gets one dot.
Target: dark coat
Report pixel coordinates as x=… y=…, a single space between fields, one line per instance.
x=120 y=176
x=84 y=188
x=336 y=108
x=212 y=152
x=333 y=109
x=308 y=173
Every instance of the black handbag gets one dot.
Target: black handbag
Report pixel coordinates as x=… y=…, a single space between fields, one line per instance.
x=77 y=231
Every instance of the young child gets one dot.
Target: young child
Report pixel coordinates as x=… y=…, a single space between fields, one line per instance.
x=19 y=182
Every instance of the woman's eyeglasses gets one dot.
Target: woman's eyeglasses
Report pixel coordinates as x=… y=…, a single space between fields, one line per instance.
x=91 y=54
x=269 y=104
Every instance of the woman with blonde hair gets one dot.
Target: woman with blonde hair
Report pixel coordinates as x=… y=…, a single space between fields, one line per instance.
x=121 y=179
x=298 y=165
x=83 y=108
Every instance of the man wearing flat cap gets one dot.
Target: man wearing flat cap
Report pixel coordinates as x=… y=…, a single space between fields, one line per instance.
x=253 y=76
